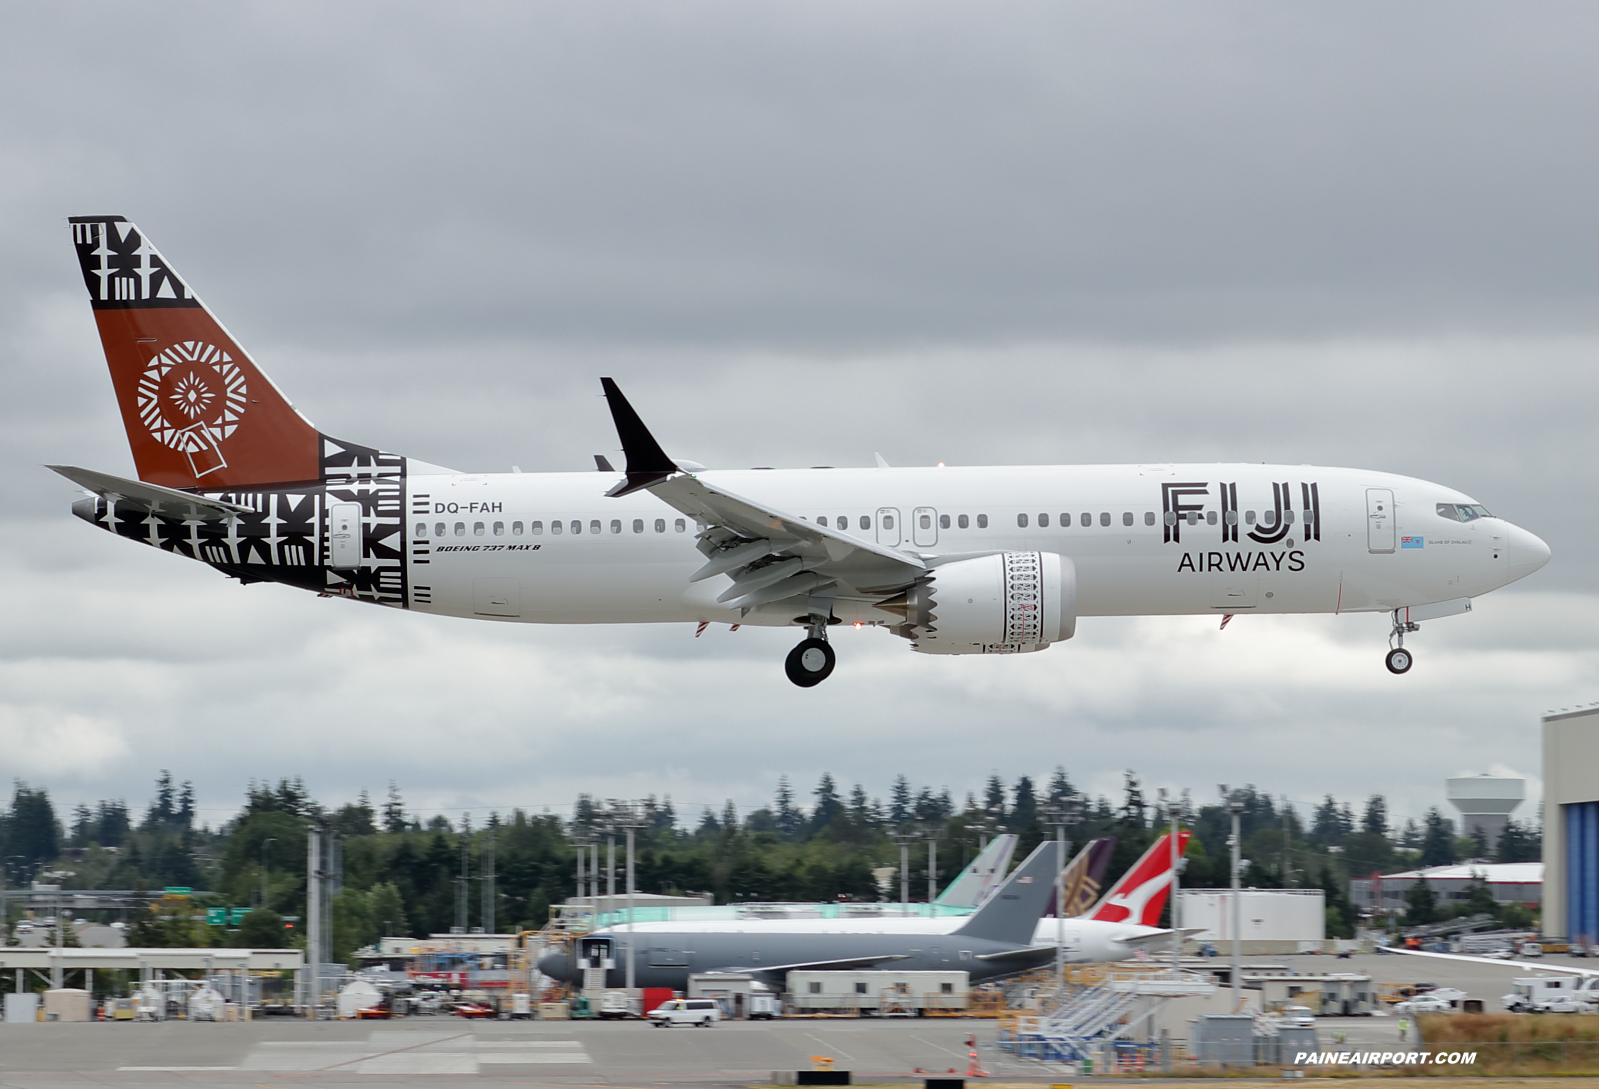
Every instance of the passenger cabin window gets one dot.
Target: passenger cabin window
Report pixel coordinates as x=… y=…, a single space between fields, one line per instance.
x=926 y=521
x=821 y=520
x=963 y=522
x=460 y=529
x=1021 y=521
x=1210 y=517
x=1149 y=518
x=1043 y=521
x=1104 y=517
x=943 y=521
x=1288 y=517
x=1232 y=518
x=538 y=527
x=421 y=529
x=555 y=526
x=888 y=521
x=516 y=529
x=438 y=529
x=1085 y=519
x=1127 y=517
x=1268 y=518
x=1249 y=517
x=866 y=521
x=616 y=525
x=1170 y=518
x=1193 y=518
x=660 y=525
x=638 y=525
x=499 y=529
x=594 y=526
x=982 y=521
x=477 y=529
x=681 y=525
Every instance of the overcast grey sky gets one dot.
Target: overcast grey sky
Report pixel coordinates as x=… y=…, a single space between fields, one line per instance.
x=1339 y=233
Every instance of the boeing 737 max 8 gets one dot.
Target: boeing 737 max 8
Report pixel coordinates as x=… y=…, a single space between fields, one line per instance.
x=975 y=560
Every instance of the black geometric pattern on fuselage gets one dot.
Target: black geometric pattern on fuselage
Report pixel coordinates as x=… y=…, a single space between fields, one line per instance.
x=284 y=535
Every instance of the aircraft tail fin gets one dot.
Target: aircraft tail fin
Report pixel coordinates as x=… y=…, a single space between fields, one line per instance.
x=1084 y=877
x=1140 y=894
x=198 y=412
x=973 y=884
x=1011 y=914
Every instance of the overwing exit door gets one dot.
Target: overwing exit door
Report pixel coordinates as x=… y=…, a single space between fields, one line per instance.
x=888 y=530
x=924 y=527
x=1379 y=519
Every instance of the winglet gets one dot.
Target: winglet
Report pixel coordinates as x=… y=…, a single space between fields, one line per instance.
x=647 y=463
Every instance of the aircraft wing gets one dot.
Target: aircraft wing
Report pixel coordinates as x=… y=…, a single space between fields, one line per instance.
x=153 y=498
x=769 y=554
x=1542 y=966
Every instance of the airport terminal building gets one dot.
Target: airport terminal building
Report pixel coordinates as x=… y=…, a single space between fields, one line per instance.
x=1571 y=824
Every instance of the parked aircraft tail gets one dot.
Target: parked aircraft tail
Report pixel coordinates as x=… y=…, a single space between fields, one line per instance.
x=198 y=412
x=1011 y=914
x=1084 y=877
x=1140 y=894
x=974 y=884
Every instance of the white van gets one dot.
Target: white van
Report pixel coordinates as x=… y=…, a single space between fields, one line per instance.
x=703 y=1012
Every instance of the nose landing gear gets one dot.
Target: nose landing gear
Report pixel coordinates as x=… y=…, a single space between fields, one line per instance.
x=1399 y=659
x=812 y=661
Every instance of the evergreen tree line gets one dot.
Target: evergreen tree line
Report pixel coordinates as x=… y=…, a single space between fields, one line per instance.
x=403 y=874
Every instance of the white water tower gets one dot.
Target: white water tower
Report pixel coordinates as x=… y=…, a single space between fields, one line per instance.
x=1485 y=802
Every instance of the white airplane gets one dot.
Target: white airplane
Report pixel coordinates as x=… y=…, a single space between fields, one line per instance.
x=974 y=560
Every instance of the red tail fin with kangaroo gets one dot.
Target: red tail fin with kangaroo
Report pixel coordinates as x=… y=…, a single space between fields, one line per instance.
x=198 y=412
x=1140 y=894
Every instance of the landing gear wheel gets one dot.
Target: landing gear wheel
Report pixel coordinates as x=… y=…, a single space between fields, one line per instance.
x=810 y=663
x=1399 y=660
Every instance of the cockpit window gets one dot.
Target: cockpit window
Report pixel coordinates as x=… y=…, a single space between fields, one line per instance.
x=1463 y=512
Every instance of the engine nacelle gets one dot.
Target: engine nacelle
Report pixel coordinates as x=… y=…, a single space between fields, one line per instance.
x=1007 y=603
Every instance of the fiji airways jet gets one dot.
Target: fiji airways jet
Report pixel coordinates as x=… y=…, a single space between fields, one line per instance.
x=993 y=560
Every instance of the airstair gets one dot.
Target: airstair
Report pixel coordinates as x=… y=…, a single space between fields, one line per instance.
x=1085 y=1018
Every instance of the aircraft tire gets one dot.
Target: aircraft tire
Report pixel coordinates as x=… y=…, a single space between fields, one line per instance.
x=1399 y=660
x=810 y=663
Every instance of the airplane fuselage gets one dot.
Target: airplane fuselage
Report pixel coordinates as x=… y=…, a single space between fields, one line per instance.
x=1146 y=540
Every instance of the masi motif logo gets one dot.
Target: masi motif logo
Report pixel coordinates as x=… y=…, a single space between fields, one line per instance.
x=191 y=397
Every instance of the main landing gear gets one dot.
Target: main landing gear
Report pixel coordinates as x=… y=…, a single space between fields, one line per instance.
x=1399 y=659
x=812 y=661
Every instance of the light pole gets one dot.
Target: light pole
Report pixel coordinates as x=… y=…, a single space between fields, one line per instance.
x=932 y=867
x=626 y=816
x=1068 y=811
x=905 y=838
x=1235 y=806
x=1174 y=809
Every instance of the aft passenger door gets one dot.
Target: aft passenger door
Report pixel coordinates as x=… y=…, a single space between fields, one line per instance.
x=924 y=527
x=888 y=530
x=344 y=536
x=1379 y=519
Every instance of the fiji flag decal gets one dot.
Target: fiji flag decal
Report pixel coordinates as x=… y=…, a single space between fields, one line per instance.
x=1412 y=542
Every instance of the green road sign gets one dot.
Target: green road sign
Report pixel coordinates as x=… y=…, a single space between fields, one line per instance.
x=178 y=890
x=236 y=915
x=216 y=916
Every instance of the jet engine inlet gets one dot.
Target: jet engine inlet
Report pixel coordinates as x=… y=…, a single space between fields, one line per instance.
x=1006 y=603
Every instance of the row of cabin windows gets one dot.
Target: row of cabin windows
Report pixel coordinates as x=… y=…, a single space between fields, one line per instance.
x=864 y=522
x=480 y=529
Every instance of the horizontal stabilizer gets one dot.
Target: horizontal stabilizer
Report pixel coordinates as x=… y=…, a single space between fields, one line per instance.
x=1158 y=939
x=151 y=497
x=1032 y=952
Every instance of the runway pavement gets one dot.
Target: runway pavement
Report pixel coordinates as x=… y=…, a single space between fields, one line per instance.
x=421 y=1050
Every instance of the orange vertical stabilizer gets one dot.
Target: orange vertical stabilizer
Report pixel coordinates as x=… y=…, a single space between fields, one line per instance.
x=198 y=412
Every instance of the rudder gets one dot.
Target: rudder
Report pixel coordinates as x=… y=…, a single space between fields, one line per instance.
x=197 y=410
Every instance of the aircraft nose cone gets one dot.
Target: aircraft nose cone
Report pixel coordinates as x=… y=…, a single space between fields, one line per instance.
x=1527 y=553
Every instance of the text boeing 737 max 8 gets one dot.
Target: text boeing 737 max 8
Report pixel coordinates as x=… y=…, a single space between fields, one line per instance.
x=986 y=560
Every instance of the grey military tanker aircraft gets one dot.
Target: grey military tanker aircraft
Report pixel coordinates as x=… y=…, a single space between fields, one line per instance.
x=994 y=941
